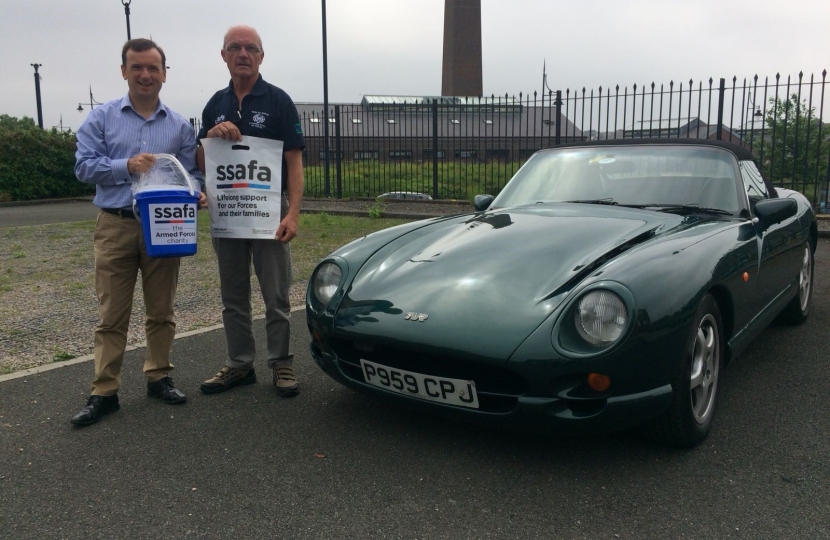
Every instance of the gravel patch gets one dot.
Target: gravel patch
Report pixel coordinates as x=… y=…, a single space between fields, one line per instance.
x=48 y=305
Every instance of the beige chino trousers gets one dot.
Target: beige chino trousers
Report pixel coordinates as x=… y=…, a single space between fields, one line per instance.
x=119 y=255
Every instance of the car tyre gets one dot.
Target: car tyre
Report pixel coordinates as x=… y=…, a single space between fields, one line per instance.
x=688 y=419
x=798 y=309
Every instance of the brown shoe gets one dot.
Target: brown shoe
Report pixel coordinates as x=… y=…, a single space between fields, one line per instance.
x=227 y=378
x=285 y=381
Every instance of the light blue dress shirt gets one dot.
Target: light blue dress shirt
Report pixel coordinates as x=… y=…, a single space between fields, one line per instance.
x=115 y=132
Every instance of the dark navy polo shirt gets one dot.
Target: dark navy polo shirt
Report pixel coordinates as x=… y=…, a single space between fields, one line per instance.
x=266 y=112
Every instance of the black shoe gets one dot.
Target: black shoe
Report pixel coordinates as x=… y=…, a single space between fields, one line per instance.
x=164 y=390
x=96 y=408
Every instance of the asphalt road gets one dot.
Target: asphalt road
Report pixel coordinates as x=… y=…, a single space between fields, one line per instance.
x=21 y=215
x=334 y=464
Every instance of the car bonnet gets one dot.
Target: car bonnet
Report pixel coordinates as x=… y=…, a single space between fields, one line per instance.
x=489 y=280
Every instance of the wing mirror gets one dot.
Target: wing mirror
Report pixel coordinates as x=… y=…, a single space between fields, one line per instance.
x=772 y=211
x=482 y=202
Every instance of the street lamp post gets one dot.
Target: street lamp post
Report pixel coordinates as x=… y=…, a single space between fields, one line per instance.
x=126 y=4
x=554 y=106
x=751 y=106
x=752 y=117
x=60 y=127
x=37 y=96
x=92 y=102
x=326 y=106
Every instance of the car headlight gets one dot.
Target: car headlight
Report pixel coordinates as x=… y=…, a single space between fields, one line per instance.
x=327 y=280
x=600 y=318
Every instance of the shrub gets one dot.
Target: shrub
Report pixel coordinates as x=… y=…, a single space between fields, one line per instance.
x=37 y=163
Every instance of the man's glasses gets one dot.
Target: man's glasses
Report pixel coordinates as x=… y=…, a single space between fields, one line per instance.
x=250 y=49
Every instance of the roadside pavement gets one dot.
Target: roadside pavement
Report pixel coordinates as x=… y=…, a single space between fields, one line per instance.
x=64 y=211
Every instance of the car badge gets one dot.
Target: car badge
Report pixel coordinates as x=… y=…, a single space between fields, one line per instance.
x=412 y=316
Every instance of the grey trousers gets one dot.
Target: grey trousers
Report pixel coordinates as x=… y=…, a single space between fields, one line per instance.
x=272 y=263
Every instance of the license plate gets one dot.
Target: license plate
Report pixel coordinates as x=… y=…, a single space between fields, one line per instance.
x=441 y=389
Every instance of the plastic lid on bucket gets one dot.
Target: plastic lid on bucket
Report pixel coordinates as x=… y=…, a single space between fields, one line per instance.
x=145 y=189
x=167 y=173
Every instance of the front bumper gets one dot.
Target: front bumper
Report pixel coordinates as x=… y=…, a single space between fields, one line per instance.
x=519 y=410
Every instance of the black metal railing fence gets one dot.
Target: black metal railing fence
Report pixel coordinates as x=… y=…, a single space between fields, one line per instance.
x=782 y=121
x=454 y=148
x=445 y=150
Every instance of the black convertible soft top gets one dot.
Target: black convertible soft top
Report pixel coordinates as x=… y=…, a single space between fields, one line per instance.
x=740 y=151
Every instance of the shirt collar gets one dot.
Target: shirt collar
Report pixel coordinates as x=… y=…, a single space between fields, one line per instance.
x=126 y=103
x=260 y=86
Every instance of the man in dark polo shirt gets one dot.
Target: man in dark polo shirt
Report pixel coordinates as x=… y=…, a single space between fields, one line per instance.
x=250 y=106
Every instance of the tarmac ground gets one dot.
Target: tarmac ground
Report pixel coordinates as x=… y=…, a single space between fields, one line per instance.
x=24 y=215
x=332 y=463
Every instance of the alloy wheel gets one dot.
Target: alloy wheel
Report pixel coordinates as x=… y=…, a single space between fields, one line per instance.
x=804 y=279
x=705 y=368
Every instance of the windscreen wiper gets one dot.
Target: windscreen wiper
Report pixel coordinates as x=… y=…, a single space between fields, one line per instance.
x=682 y=209
x=608 y=201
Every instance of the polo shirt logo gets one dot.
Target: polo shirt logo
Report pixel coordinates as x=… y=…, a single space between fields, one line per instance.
x=220 y=119
x=298 y=128
x=258 y=119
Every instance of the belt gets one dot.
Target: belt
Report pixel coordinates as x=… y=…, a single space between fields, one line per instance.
x=120 y=212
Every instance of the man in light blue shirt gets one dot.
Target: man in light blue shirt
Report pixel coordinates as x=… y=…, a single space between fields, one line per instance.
x=116 y=143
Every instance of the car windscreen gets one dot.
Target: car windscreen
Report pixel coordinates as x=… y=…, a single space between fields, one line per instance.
x=664 y=175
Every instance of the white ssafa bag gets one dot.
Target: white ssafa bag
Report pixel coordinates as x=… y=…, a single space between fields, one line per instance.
x=243 y=180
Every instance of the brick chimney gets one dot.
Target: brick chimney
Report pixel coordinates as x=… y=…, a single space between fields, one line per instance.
x=462 y=48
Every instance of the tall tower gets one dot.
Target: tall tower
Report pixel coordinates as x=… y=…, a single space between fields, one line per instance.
x=462 y=48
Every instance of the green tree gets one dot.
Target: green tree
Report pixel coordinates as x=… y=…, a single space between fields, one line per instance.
x=10 y=123
x=37 y=163
x=795 y=145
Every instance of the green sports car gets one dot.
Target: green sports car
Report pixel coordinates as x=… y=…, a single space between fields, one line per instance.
x=606 y=287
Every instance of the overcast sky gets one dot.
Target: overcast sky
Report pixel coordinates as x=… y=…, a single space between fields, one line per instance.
x=395 y=46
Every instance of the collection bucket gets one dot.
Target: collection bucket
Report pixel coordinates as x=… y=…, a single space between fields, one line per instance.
x=168 y=220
